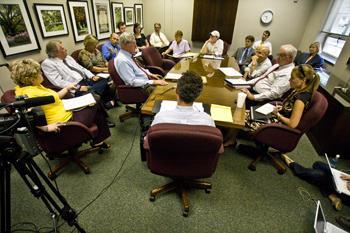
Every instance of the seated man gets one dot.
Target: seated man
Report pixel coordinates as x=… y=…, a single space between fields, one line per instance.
x=275 y=81
x=128 y=68
x=62 y=70
x=121 y=27
x=178 y=46
x=260 y=63
x=158 y=39
x=213 y=45
x=111 y=47
x=266 y=34
x=243 y=55
x=188 y=88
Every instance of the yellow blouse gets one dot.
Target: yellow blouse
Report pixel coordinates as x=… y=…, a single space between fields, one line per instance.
x=54 y=112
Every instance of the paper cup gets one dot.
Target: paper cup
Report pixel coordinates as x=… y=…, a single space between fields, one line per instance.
x=241 y=99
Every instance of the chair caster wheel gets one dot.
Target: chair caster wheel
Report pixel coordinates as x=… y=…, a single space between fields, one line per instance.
x=152 y=198
x=100 y=151
x=185 y=213
x=252 y=167
x=281 y=172
x=87 y=171
x=52 y=176
x=207 y=190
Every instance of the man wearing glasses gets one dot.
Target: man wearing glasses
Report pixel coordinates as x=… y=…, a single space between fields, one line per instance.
x=275 y=81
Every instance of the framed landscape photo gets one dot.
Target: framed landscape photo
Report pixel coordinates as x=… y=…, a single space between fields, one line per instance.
x=129 y=16
x=117 y=13
x=102 y=16
x=139 y=14
x=80 y=19
x=17 y=33
x=51 y=19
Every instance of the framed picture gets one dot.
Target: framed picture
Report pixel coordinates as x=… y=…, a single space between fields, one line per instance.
x=16 y=28
x=139 y=14
x=102 y=16
x=80 y=19
x=52 y=20
x=129 y=16
x=117 y=13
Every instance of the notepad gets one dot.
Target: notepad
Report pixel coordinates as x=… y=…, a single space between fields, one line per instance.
x=265 y=109
x=238 y=83
x=229 y=71
x=212 y=57
x=103 y=75
x=173 y=76
x=221 y=113
x=169 y=105
x=78 y=102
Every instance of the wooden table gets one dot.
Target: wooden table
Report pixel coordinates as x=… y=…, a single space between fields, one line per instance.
x=214 y=91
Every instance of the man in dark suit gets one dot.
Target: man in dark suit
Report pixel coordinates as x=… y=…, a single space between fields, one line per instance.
x=243 y=55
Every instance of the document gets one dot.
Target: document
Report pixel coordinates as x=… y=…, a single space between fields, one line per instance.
x=204 y=79
x=173 y=76
x=221 y=113
x=189 y=54
x=265 y=109
x=78 y=102
x=169 y=105
x=238 y=83
x=229 y=71
x=103 y=75
x=138 y=54
x=212 y=57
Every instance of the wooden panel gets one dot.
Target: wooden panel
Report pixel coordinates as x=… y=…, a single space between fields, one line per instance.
x=209 y=15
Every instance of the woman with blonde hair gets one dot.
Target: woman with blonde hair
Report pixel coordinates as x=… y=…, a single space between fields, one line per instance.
x=27 y=75
x=312 y=58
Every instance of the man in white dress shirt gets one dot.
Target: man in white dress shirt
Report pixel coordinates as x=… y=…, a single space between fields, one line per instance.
x=266 y=34
x=275 y=81
x=259 y=64
x=158 y=39
x=214 y=45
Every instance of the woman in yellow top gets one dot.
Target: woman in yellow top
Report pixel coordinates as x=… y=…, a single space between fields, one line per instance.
x=27 y=75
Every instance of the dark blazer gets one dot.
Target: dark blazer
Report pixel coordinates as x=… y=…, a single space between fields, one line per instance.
x=239 y=53
x=316 y=62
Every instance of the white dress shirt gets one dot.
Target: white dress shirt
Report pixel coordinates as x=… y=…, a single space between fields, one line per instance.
x=217 y=48
x=275 y=85
x=265 y=43
x=156 y=40
x=59 y=74
x=261 y=68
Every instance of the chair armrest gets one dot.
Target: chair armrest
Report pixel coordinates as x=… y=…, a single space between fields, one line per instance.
x=145 y=143
x=221 y=150
x=156 y=70
x=131 y=95
x=168 y=64
x=278 y=136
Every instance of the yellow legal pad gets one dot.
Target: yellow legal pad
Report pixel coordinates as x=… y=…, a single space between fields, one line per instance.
x=221 y=113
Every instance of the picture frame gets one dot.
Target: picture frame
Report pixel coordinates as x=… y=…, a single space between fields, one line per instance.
x=102 y=16
x=129 y=16
x=117 y=14
x=139 y=14
x=51 y=18
x=17 y=33
x=80 y=19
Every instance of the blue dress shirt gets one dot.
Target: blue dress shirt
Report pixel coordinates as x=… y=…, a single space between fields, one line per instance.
x=106 y=50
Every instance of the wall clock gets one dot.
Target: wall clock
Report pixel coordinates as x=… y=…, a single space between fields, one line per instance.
x=266 y=17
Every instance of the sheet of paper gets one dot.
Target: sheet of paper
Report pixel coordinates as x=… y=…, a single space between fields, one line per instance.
x=189 y=54
x=236 y=81
x=221 y=113
x=265 y=109
x=78 y=102
x=204 y=79
x=103 y=75
x=169 y=105
x=229 y=71
x=212 y=57
x=173 y=76
x=138 y=54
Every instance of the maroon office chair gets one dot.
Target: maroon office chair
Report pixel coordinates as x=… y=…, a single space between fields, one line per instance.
x=154 y=61
x=184 y=153
x=46 y=83
x=69 y=139
x=226 y=48
x=127 y=94
x=283 y=138
x=99 y=47
x=75 y=55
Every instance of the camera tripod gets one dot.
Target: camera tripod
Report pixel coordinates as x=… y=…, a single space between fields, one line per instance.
x=32 y=175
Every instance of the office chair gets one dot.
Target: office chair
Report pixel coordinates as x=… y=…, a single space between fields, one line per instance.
x=154 y=61
x=226 y=48
x=127 y=94
x=184 y=153
x=70 y=137
x=283 y=138
x=75 y=55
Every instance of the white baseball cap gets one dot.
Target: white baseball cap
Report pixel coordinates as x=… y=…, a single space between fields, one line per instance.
x=215 y=33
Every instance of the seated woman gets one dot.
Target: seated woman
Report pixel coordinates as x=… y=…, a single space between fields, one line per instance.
x=27 y=75
x=312 y=58
x=141 y=40
x=90 y=57
x=304 y=82
x=178 y=46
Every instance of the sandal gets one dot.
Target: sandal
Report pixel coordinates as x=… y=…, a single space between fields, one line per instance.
x=286 y=159
x=336 y=202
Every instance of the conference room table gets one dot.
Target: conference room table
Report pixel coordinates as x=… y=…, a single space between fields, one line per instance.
x=215 y=91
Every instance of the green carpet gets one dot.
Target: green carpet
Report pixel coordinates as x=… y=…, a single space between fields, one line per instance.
x=240 y=201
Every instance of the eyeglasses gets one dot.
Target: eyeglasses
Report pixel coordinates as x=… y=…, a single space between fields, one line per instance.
x=301 y=70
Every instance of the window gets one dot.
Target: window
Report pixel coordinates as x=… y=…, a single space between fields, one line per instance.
x=336 y=30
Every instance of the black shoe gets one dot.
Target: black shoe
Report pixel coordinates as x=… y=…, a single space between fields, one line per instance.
x=109 y=105
x=110 y=124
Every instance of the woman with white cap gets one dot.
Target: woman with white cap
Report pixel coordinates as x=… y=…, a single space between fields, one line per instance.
x=214 y=45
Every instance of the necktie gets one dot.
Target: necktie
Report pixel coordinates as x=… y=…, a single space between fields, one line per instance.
x=270 y=70
x=244 y=56
x=140 y=67
x=74 y=69
x=160 y=38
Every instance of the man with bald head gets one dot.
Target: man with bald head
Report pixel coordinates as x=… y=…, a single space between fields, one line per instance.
x=111 y=48
x=259 y=64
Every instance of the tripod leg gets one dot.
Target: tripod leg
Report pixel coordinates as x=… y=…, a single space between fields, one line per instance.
x=5 y=188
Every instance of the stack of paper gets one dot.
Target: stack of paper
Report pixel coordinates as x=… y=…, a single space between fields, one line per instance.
x=221 y=113
x=173 y=76
x=169 y=105
x=212 y=57
x=229 y=71
x=78 y=102
x=103 y=75
x=237 y=83
x=265 y=109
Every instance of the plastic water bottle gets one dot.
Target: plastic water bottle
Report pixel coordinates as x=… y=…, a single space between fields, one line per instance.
x=334 y=161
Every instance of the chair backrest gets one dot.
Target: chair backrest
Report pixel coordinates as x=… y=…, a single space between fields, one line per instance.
x=114 y=74
x=314 y=114
x=148 y=37
x=99 y=47
x=152 y=57
x=75 y=55
x=183 y=151
x=226 y=48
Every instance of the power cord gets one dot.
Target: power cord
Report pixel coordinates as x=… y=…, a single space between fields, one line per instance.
x=305 y=195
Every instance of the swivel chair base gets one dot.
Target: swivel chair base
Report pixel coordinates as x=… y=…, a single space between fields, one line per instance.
x=130 y=112
x=181 y=186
